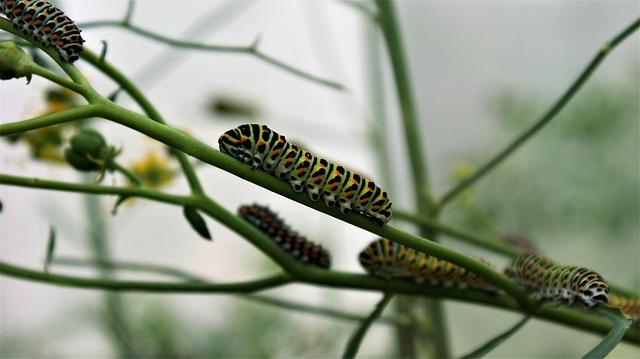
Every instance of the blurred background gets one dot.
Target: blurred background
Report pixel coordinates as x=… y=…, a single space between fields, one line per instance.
x=481 y=71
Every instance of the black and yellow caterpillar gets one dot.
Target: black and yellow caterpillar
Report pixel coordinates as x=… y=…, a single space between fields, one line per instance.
x=261 y=147
x=558 y=283
x=45 y=24
x=389 y=260
x=289 y=240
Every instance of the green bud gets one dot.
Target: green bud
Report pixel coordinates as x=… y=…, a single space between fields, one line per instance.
x=89 y=143
x=14 y=62
x=79 y=162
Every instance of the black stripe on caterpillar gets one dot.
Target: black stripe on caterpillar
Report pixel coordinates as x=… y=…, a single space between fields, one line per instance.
x=261 y=147
x=46 y=25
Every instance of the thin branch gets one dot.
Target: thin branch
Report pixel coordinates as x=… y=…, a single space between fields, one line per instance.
x=437 y=344
x=545 y=119
x=132 y=177
x=263 y=299
x=50 y=119
x=356 y=338
x=149 y=109
x=122 y=285
x=486 y=243
x=247 y=50
x=476 y=240
x=53 y=77
x=571 y=317
x=89 y=93
x=202 y=151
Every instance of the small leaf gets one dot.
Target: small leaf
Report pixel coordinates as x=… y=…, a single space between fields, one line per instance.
x=116 y=205
x=103 y=52
x=197 y=222
x=113 y=97
x=493 y=343
x=51 y=246
x=620 y=322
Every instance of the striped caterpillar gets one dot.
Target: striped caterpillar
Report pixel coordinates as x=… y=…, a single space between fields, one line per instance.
x=558 y=283
x=45 y=24
x=386 y=259
x=260 y=147
x=289 y=240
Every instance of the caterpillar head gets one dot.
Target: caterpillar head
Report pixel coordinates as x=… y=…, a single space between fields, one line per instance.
x=593 y=289
x=234 y=144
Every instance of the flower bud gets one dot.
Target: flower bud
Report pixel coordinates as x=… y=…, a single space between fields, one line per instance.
x=14 y=62
x=88 y=142
x=89 y=152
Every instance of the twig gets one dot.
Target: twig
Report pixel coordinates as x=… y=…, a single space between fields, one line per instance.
x=263 y=299
x=125 y=285
x=361 y=331
x=233 y=49
x=546 y=118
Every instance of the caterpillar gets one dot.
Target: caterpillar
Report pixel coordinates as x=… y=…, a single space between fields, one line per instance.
x=261 y=147
x=558 y=283
x=289 y=240
x=630 y=306
x=386 y=259
x=45 y=24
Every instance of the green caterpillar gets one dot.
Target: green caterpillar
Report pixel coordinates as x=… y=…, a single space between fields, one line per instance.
x=386 y=259
x=558 y=283
x=260 y=147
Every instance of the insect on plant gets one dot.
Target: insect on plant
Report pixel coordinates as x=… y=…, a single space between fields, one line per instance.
x=412 y=270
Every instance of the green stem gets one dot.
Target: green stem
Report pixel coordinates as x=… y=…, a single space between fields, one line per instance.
x=251 y=50
x=259 y=239
x=486 y=243
x=148 y=108
x=476 y=240
x=545 y=119
x=64 y=82
x=363 y=328
x=575 y=318
x=126 y=285
x=387 y=19
x=132 y=177
x=115 y=319
x=50 y=119
x=391 y=31
x=257 y=298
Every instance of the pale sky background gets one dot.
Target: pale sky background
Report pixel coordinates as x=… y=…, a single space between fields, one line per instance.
x=460 y=54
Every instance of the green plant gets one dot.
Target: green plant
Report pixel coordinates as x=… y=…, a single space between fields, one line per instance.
x=425 y=213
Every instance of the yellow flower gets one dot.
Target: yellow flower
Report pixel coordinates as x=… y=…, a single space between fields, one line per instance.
x=461 y=171
x=153 y=169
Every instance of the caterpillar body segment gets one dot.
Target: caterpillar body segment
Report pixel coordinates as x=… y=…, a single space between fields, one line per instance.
x=389 y=260
x=46 y=25
x=288 y=239
x=260 y=147
x=558 y=283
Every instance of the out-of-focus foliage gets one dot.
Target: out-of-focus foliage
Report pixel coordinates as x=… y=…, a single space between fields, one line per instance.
x=153 y=168
x=578 y=178
x=242 y=331
x=46 y=143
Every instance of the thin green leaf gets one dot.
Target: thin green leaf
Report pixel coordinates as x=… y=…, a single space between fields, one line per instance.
x=358 y=335
x=493 y=343
x=197 y=222
x=51 y=246
x=116 y=205
x=113 y=97
x=103 y=52
x=620 y=323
